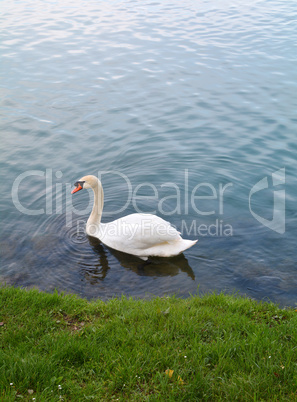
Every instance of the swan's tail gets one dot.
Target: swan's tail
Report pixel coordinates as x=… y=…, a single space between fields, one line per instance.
x=183 y=245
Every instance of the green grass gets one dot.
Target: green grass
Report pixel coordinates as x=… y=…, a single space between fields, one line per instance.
x=219 y=347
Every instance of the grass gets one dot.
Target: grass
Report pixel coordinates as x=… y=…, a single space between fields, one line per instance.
x=211 y=348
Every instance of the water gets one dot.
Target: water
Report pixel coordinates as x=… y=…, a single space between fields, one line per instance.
x=165 y=101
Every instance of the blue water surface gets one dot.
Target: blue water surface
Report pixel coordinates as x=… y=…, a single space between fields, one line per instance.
x=167 y=102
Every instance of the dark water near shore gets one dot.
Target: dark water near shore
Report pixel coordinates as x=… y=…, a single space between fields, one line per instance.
x=168 y=102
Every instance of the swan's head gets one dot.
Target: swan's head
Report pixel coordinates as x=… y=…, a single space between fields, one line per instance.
x=85 y=182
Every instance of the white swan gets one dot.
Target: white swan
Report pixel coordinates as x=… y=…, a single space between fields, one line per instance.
x=142 y=235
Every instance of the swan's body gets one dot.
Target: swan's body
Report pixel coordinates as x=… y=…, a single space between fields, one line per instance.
x=143 y=235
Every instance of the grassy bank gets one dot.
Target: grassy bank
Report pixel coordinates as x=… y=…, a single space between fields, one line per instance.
x=217 y=347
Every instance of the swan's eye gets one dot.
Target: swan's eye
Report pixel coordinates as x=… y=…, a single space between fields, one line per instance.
x=79 y=184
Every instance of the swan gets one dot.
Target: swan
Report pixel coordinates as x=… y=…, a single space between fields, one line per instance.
x=142 y=235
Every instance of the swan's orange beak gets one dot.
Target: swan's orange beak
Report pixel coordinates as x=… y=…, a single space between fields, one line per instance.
x=79 y=187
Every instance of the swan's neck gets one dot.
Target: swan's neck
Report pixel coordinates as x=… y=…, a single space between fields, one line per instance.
x=96 y=214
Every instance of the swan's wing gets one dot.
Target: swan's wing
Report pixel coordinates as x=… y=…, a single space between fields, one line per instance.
x=150 y=230
x=138 y=232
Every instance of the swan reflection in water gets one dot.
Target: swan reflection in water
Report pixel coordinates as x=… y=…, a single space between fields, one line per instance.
x=156 y=266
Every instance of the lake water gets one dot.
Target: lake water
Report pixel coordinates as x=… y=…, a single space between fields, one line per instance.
x=168 y=102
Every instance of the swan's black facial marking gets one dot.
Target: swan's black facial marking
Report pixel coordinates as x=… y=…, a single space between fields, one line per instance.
x=79 y=183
